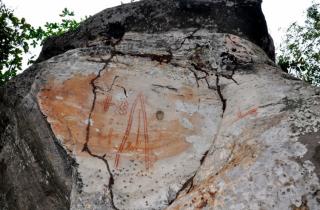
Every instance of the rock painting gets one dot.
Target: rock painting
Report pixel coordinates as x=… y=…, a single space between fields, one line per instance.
x=125 y=122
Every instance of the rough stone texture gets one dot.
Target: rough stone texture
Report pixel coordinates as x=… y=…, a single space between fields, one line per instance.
x=240 y=17
x=183 y=118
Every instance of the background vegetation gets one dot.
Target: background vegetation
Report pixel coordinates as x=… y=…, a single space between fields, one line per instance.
x=300 y=52
x=17 y=38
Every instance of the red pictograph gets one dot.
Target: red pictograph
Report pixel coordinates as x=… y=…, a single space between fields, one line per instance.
x=138 y=131
x=126 y=133
x=140 y=98
x=122 y=107
x=107 y=103
x=110 y=137
x=146 y=135
x=252 y=111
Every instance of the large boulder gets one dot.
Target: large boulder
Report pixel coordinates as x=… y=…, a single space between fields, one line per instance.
x=161 y=105
x=239 y=17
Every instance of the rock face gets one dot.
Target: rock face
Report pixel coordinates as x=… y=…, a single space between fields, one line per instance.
x=239 y=17
x=161 y=105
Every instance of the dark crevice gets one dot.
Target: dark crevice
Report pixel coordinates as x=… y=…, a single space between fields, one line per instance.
x=228 y=76
x=94 y=92
x=204 y=157
x=188 y=185
x=116 y=30
x=231 y=63
x=316 y=195
x=199 y=68
x=190 y=36
x=124 y=90
x=111 y=178
x=228 y=61
x=112 y=84
x=166 y=86
x=197 y=77
x=210 y=86
x=164 y=58
x=223 y=100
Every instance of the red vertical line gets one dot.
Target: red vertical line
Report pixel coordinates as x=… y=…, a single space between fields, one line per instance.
x=110 y=137
x=138 y=132
x=126 y=134
x=129 y=146
x=146 y=135
x=107 y=103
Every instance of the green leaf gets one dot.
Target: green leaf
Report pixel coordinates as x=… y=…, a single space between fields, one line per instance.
x=18 y=37
x=299 y=54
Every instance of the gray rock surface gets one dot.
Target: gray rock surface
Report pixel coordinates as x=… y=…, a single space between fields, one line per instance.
x=239 y=17
x=181 y=118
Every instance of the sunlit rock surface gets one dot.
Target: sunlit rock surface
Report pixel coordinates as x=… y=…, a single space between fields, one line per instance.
x=186 y=118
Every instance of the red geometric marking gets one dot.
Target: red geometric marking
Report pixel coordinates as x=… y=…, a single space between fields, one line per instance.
x=130 y=147
x=110 y=137
x=107 y=103
x=126 y=134
x=146 y=135
x=252 y=111
x=122 y=108
x=138 y=132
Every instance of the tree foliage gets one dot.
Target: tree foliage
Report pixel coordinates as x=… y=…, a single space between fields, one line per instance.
x=67 y=23
x=17 y=38
x=14 y=36
x=300 y=55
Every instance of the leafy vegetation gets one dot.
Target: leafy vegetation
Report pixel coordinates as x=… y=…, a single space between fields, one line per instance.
x=17 y=38
x=68 y=23
x=14 y=36
x=300 y=53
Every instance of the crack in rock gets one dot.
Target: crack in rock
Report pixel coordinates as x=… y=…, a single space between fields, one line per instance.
x=85 y=146
x=111 y=177
x=198 y=66
x=166 y=86
x=163 y=58
x=190 y=36
x=223 y=100
x=188 y=185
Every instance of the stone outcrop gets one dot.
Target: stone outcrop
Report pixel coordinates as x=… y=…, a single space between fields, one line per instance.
x=239 y=17
x=161 y=105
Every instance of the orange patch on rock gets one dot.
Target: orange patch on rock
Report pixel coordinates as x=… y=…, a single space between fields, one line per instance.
x=67 y=106
x=121 y=125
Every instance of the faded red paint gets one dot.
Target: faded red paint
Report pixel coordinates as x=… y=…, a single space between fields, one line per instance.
x=241 y=115
x=130 y=147
x=107 y=103
x=122 y=107
x=123 y=127
x=126 y=133
x=146 y=135
x=110 y=137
